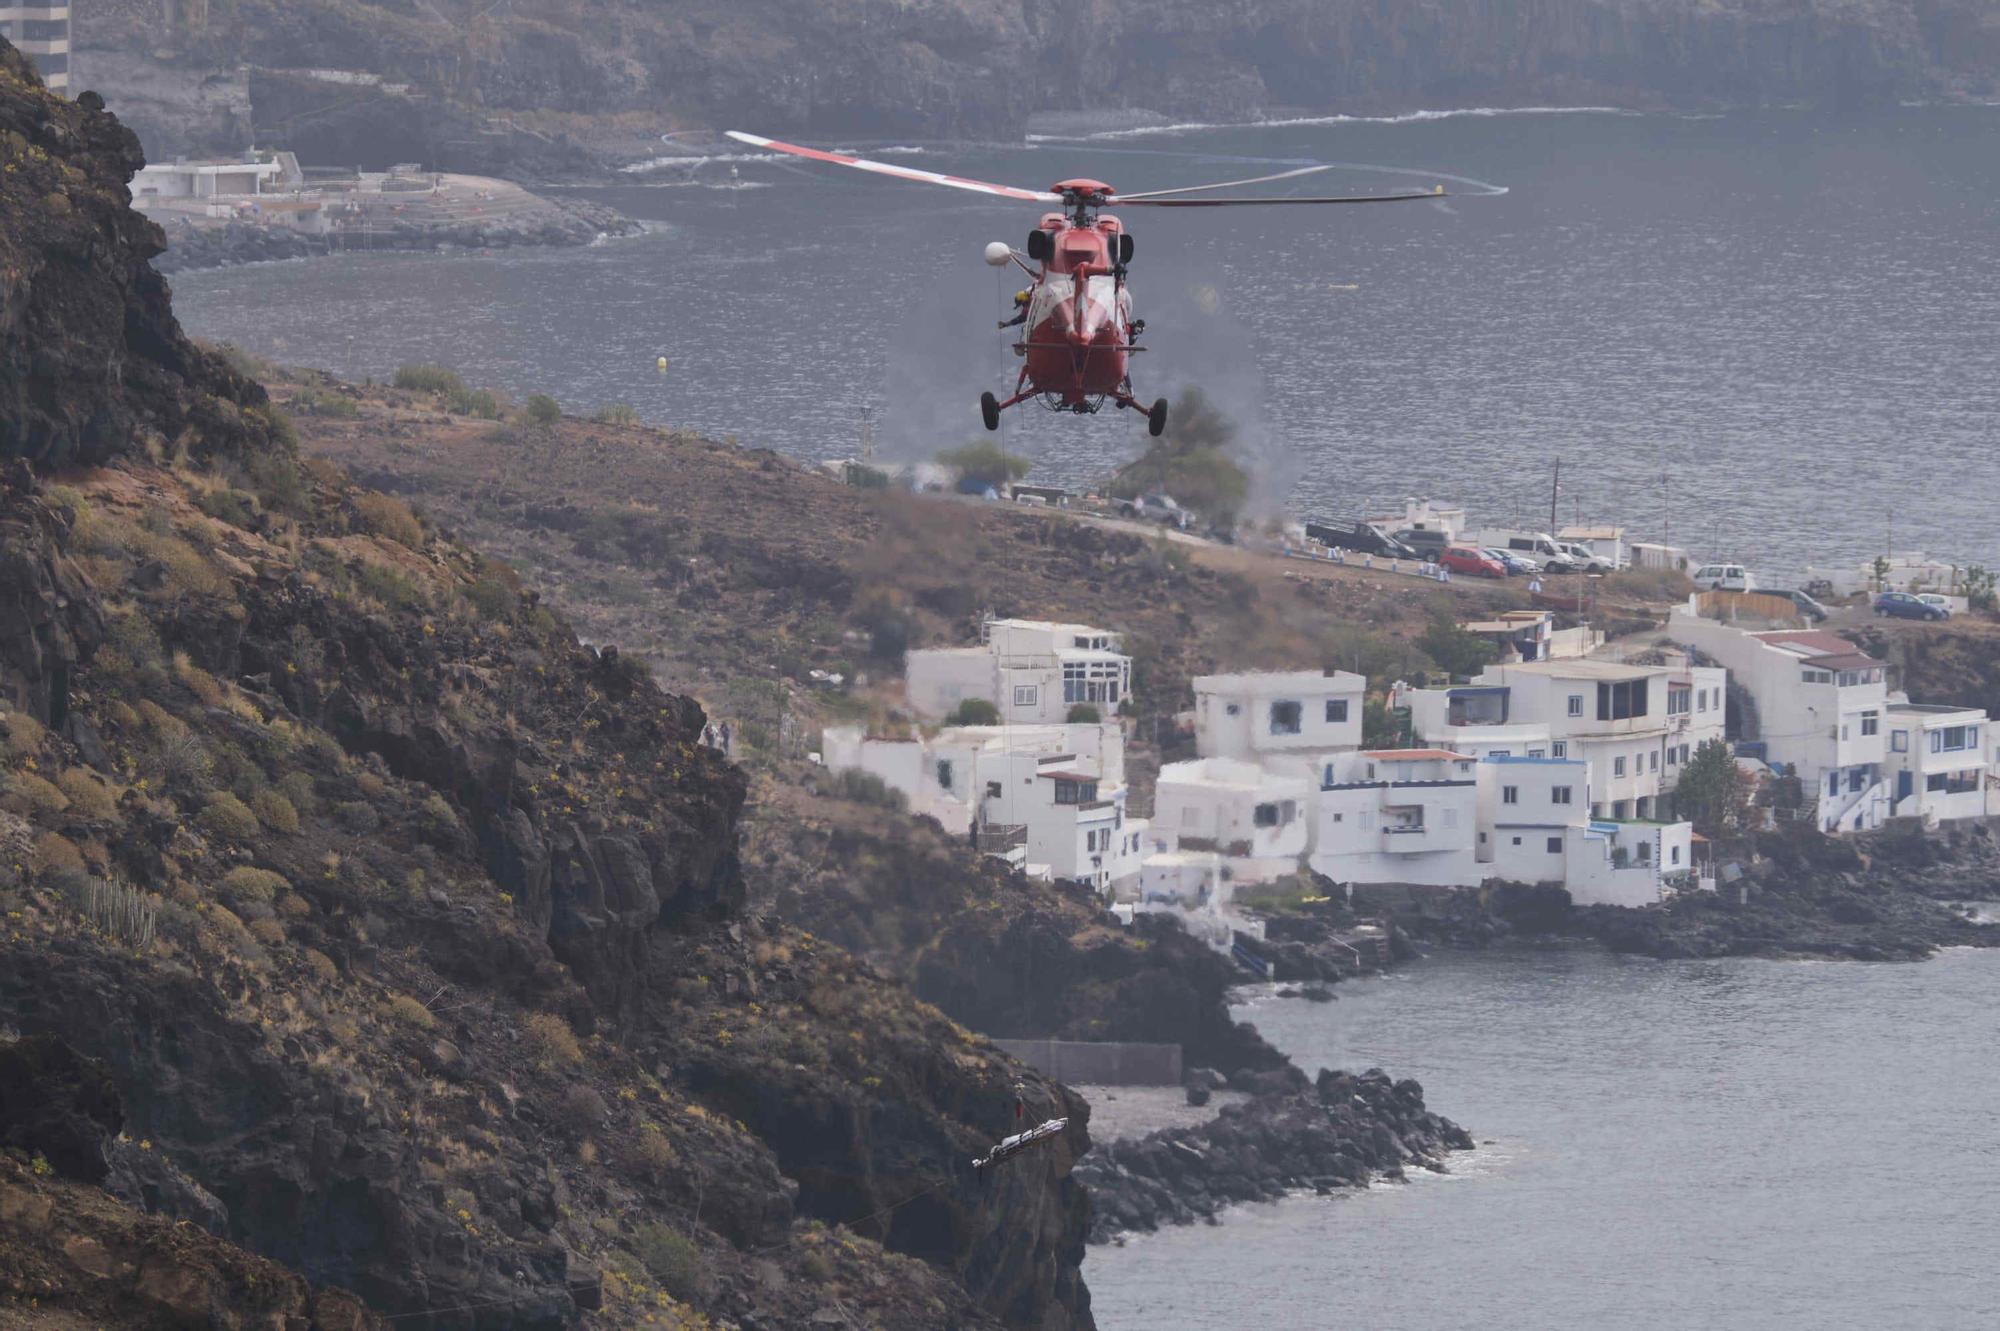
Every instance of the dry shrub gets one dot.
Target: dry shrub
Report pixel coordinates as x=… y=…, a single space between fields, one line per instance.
x=54 y=853
x=370 y=785
x=245 y=883
x=294 y=905
x=390 y=518
x=671 y=1258
x=275 y=811
x=267 y=931
x=33 y=797
x=298 y=790
x=321 y=966
x=188 y=572
x=583 y=1108
x=229 y=817
x=410 y=1012
x=159 y=720
x=198 y=681
x=24 y=734
x=653 y=1155
x=551 y=1040
x=88 y=795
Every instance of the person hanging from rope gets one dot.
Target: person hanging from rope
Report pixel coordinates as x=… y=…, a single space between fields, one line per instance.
x=1020 y=311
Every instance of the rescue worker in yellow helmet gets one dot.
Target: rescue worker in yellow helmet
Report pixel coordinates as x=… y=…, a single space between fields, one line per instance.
x=1020 y=311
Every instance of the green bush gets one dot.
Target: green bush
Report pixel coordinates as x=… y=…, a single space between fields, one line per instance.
x=985 y=463
x=867 y=788
x=616 y=413
x=275 y=811
x=473 y=402
x=244 y=883
x=391 y=586
x=1083 y=714
x=277 y=481
x=429 y=379
x=229 y=817
x=543 y=411
x=974 y=712
x=492 y=597
x=391 y=518
x=312 y=402
x=671 y=1258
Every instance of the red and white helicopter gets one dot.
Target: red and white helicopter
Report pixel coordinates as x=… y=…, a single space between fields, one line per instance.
x=1077 y=326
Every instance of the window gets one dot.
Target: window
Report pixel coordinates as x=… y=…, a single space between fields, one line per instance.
x=1684 y=753
x=1076 y=792
x=1449 y=817
x=1618 y=811
x=1855 y=778
x=1935 y=781
x=1843 y=730
x=1336 y=711
x=1953 y=783
x=1676 y=853
x=1679 y=700
x=1871 y=723
x=1559 y=749
x=1622 y=700
x=1618 y=765
x=993 y=790
x=1899 y=741
x=1653 y=760
x=1027 y=695
x=1701 y=700
x=1233 y=710
x=1517 y=841
x=1499 y=753
x=1673 y=756
x=1645 y=852
x=1818 y=676
x=1559 y=794
x=1510 y=794
x=944 y=773
x=1954 y=739
x=1286 y=718
x=1833 y=783
x=1266 y=815
x=1555 y=845
x=1576 y=704
x=1537 y=753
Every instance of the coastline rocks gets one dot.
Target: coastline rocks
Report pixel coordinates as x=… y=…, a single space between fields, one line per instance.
x=1341 y=1130
x=572 y=223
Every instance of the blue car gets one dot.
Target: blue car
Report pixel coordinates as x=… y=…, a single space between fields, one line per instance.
x=1903 y=605
x=1507 y=559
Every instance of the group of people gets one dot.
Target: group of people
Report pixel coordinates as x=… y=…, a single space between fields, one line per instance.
x=718 y=737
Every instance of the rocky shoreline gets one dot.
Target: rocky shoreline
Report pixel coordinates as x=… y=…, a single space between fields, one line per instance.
x=1340 y=1130
x=566 y=224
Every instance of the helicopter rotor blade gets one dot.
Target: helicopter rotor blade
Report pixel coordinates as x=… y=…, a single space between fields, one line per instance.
x=899 y=172
x=1260 y=203
x=1117 y=198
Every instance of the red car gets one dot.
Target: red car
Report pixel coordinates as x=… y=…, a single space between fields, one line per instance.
x=1465 y=559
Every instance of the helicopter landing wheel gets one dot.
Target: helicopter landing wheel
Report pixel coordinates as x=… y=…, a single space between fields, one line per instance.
x=1156 y=419
x=989 y=410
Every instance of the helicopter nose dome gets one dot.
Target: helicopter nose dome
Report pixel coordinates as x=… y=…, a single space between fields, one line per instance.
x=997 y=254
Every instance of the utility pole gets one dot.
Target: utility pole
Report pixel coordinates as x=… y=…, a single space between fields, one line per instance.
x=1555 y=492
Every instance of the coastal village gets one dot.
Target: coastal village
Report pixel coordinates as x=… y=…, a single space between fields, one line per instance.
x=1558 y=762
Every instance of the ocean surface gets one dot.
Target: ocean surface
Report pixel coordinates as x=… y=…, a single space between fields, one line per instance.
x=1770 y=336
x=1725 y=1145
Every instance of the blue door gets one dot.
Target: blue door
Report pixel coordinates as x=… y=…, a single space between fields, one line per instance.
x=1905 y=783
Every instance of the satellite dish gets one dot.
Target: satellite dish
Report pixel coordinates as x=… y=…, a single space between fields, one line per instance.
x=998 y=255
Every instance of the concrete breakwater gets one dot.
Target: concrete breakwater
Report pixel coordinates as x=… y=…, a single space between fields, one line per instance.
x=1341 y=1130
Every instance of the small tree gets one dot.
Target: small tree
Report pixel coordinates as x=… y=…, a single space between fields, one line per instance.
x=1711 y=792
x=543 y=411
x=1881 y=571
x=975 y=712
x=1383 y=726
x=1190 y=461
x=985 y=463
x=1083 y=714
x=1457 y=651
x=1979 y=588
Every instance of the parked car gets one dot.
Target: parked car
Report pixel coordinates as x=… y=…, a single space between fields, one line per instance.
x=1902 y=605
x=1360 y=538
x=1937 y=599
x=1539 y=546
x=1805 y=604
x=1156 y=508
x=1723 y=578
x=1427 y=542
x=1512 y=560
x=1586 y=559
x=1471 y=561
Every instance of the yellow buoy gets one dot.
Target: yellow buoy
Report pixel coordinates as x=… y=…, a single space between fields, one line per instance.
x=660 y=364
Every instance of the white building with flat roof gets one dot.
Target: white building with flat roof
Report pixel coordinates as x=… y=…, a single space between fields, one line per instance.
x=1050 y=799
x=1032 y=671
x=1535 y=827
x=1294 y=715
x=1816 y=710
x=1258 y=820
x=1939 y=761
x=41 y=31
x=1398 y=816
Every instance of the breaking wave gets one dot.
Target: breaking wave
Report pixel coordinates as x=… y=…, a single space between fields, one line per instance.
x=1406 y=118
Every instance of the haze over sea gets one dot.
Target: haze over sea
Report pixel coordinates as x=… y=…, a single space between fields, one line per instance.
x=1778 y=332
x=1733 y=1145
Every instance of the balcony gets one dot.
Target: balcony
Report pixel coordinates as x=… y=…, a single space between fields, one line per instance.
x=1000 y=838
x=1406 y=839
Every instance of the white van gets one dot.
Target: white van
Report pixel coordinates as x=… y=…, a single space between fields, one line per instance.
x=1542 y=548
x=1723 y=578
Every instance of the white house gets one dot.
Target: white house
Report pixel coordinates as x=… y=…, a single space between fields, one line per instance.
x=211 y=179
x=1398 y=816
x=1535 y=828
x=1033 y=671
x=1815 y=709
x=1938 y=761
x=1050 y=799
x=1258 y=820
x=1532 y=635
x=1297 y=716
x=1904 y=570
x=1614 y=716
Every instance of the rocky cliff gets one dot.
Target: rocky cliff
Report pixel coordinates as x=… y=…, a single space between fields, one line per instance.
x=549 y=87
x=378 y=928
